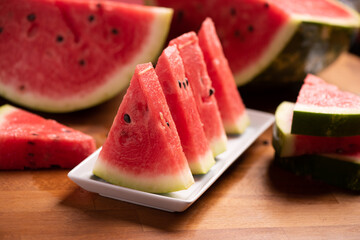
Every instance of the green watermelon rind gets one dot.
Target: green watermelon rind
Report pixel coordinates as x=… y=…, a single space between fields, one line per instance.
x=334 y=169
x=119 y=80
x=153 y=184
x=315 y=122
x=321 y=42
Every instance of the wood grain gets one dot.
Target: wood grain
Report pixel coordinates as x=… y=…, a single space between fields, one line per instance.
x=253 y=199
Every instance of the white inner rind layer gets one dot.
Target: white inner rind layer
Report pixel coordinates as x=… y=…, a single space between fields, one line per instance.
x=278 y=43
x=116 y=81
x=325 y=110
x=203 y=166
x=159 y=183
x=239 y=126
x=4 y=111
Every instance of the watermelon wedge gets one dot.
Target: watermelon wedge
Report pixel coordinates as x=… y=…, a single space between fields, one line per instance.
x=28 y=141
x=261 y=39
x=322 y=109
x=289 y=145
x=66 y=55
x=196 y=73
x=231 y=106
x=342 y=170
x=181 y=102
x=143 y=149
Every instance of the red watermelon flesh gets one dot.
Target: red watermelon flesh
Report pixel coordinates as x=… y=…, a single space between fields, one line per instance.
x=196 y=73
x=143 y=149
x=30 y=141
x=231 y=106
x=179 y=97
x=65 y=55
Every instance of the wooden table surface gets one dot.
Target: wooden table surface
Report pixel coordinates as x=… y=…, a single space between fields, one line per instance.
x=253 y=199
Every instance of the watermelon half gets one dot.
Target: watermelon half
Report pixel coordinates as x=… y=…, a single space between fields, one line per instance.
x=200 y=82
x=28 y=141
x=261 y=39
x=182 y=105
x=143 y=149
x=289 y=145
x=322 y=109
x=66 y=55
x=231 y=106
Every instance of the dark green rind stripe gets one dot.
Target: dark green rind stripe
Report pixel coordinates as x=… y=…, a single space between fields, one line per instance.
x=331 y=170
x=325 y=124
x=313 y=47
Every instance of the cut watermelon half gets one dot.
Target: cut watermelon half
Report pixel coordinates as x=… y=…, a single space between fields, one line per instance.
x=261 y=39
x=336 y=169
x=66 y=55
x=289 y=145
x=181 y=102
x=322 y=109
x=231 y=106
x=28 y=141
x=143 y=149
x=196 y=72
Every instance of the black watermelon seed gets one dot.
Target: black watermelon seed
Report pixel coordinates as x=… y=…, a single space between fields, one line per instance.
x=179 y=84
x=184 y=84
x=232 y=11
x=91 y=18
x=211 y=91
x=98 y=5
x=82 y=62
x=180 y=15
x=114 y=31
x=31 y=17
x=187 y=82
x=35 y=134
x=237 y=33
x=168 y=124
x=250 y=28
x=21 y=87
x=265 y=142
x=266 y=5
x=127 y=118
x=59 y=38
x=1 y=29
x=31 y=143
x=31 y=154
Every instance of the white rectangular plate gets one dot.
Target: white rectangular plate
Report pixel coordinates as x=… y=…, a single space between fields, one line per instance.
x=180 y=200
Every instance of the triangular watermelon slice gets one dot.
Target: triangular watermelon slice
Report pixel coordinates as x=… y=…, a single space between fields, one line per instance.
x=66 y=55
x=179 y=96
x=231 y=106
x=28 y=141
x=322 y=109
x=143 y=149
x=196 y=72
x=289 y=145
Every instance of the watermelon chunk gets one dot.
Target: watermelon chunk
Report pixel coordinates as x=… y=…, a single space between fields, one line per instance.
x=28 y=141
x=322 y=109
x=200 y=82
x=289 y=145
x=261 y=39
x=66 y=55
x=231 y=106
x=181 y=102
x=143 y=149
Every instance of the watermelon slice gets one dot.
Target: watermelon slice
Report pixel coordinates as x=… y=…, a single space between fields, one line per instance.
x=342 y=170
x=181 y=102
x=66 y=55
x=28 y=141
x=261 y=39
x=289 y=145
x=231 y=106
x=143 y=149
x=322 y=109
x=196 y=72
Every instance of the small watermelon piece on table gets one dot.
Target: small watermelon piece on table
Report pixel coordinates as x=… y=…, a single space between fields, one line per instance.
x=181 y=102
x=231 y=107
x=200 y=82
x=322 y=109
x=289 y=145
x=143 y=149
x=67 y=55
x=29 y=141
